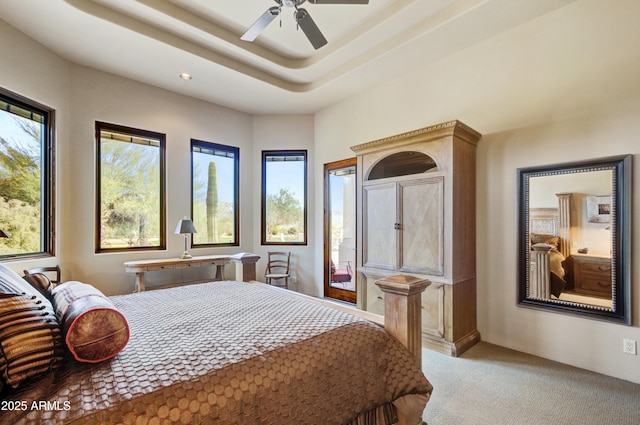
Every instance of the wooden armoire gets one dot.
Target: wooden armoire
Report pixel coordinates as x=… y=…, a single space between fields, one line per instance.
x=416 y=216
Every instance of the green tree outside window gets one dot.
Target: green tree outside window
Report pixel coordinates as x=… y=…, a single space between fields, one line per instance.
x=284 y=197
x=25 y=177
x=130 y=188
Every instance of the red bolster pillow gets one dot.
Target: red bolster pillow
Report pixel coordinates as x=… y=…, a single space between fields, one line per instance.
x=94 y=330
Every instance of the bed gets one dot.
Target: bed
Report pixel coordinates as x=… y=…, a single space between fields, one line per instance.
x=230 y=353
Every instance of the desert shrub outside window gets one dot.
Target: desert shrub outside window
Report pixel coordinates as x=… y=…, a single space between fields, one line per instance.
x=27 y=179
x=284 y=197
x=130 y=201
x=214 y=194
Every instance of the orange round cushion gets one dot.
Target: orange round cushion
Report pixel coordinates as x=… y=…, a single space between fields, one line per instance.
x=94 y=330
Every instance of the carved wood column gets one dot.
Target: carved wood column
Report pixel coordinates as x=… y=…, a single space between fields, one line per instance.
x=403 y=310
x=540 y=281
x=564 y=222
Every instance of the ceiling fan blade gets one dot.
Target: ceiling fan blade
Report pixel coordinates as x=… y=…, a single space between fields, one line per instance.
x=258 y=26
x=310 y=28
x=338 y=1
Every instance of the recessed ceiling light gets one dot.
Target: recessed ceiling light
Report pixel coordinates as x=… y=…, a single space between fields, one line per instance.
x=185 y=76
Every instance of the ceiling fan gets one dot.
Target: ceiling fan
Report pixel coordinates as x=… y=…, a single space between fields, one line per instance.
x=301 y=16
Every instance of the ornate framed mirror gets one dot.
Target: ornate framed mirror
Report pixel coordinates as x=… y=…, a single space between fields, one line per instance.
x=574 y=238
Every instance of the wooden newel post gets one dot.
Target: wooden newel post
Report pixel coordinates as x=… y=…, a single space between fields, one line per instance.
x=403 y=310
x=245 y=266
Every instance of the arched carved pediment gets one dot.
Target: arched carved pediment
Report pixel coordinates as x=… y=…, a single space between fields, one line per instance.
x=402 y=164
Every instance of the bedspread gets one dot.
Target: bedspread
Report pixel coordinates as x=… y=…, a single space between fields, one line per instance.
x=229 y=353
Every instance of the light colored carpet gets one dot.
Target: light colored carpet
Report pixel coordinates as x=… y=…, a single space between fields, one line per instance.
x=492 y=385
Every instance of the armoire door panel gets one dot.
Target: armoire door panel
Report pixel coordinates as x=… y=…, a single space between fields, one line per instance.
x=422 y=226
x=379 y=234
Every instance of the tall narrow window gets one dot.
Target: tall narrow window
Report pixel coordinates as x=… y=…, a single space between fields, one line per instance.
x=26 y=177
x=214 y=193
x=130 y=203
x=284 y=197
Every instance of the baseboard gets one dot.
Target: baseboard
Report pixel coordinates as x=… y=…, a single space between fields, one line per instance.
x=453 y=349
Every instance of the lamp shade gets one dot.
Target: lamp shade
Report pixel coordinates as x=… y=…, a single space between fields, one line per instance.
x=185 y=226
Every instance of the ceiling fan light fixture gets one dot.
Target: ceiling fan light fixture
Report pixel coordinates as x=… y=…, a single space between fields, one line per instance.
x=302 y=17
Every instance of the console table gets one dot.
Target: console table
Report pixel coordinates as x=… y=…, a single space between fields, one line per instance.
x=245 y=266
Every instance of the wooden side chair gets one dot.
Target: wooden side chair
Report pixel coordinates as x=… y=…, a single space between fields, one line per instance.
x=52 y=272
x=44 y=279
x=278 y=264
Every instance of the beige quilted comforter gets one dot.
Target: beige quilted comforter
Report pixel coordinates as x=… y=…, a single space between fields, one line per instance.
x=230 y=353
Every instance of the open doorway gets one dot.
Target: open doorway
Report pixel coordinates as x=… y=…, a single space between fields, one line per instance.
x=340 y=230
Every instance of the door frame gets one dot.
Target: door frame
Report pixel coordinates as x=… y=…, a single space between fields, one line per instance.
x=331 y=291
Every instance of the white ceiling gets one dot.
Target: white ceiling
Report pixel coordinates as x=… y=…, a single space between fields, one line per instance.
x=153 y=41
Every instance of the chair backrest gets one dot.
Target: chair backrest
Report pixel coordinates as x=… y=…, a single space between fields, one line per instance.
x=278 y=262
x=49 y=271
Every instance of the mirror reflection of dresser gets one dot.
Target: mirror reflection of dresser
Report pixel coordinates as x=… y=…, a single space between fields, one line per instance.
x=592 y=275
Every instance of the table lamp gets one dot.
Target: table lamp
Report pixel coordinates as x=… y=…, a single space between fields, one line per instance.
x=185 y=227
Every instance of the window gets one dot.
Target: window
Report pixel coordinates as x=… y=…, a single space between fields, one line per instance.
x=130 y=204
x=214 y=193
x=284 y=197
x=26 y=177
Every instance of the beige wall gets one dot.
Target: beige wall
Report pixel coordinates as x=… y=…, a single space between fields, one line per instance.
x=531 y=112
x=98 y=96
x=581 y=342
x=287 y=132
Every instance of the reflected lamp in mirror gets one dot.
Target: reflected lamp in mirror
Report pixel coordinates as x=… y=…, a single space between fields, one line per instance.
x=574 y=238
x=185 y=227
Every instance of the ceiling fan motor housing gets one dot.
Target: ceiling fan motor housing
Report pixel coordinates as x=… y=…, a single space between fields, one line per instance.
x=292 y=3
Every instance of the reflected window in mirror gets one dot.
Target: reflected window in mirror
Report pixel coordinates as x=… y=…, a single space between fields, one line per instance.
x=574 y=238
